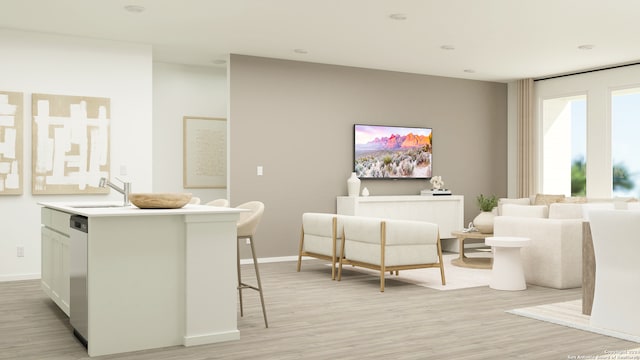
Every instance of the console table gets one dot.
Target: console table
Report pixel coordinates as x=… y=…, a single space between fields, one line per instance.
x=446 y=211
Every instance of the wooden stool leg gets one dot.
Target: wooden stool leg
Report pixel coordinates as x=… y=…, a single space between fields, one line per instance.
x=259 y=288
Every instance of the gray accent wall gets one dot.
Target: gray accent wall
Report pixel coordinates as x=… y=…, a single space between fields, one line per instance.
x=295 y=119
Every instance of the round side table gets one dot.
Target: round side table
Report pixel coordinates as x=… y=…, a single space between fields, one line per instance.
x=507 y=272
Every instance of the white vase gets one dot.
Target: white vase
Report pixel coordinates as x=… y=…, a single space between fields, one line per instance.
x=365 y=192
x=484 y=222
x=353 y=185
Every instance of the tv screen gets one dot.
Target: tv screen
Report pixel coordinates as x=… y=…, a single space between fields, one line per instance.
x=392 y=152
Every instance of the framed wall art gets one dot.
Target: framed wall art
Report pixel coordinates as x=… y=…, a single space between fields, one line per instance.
x=11 y=135
x=70 y=140
x=204 y=152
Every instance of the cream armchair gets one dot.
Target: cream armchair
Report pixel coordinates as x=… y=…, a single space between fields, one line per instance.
x=321 y=237
x=390 y=245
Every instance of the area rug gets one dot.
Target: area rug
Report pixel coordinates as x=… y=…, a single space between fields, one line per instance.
x=456 y=277
x=569 y=314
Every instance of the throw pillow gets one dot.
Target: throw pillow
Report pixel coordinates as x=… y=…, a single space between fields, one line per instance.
x=544 y=199
x=575 y=200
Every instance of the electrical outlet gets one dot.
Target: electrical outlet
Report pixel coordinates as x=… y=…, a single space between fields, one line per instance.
x=20 y=251
x=248 y=241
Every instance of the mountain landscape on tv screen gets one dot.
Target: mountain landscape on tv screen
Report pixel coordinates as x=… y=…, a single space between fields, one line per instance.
x=394 y=156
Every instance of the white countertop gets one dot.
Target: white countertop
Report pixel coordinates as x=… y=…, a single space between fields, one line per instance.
x=115 y=208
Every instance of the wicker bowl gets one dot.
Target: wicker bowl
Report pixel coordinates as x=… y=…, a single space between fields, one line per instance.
x=160 y=200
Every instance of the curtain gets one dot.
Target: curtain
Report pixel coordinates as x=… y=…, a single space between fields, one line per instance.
x=526 y=131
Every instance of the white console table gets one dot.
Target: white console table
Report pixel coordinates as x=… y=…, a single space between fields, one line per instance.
x=446 y=211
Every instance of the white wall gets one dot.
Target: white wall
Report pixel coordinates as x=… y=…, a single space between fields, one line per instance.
x=40 y=63
x=178 y=91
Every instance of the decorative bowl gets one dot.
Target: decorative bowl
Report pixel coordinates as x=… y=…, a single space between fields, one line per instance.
x=160 y=200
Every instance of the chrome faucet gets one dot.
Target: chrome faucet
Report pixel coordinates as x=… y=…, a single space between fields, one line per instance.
x=124 y=190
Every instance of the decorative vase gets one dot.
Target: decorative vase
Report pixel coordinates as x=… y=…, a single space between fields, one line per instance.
x=484 y=222
x=353 y=185
x=365 y=192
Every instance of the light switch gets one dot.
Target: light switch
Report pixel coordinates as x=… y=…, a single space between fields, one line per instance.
x=259 y=170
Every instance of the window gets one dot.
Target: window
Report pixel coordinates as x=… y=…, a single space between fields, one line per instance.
x=564 y=145
x=589 y=122
x=625 y=147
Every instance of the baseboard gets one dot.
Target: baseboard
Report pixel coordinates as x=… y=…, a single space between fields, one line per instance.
x=274 y=259
x=211 y=338
x=18 y=277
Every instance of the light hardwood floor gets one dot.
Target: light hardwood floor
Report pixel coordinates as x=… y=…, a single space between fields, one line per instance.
x=313 y=317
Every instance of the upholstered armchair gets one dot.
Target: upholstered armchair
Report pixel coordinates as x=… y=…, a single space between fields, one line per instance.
x=321 y=237
x=390 y=245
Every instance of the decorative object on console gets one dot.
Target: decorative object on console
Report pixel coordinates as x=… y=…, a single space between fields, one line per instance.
x=484 y=221
x=436 y=182
x=353 y=185
x=437 y=187
x=365 y=192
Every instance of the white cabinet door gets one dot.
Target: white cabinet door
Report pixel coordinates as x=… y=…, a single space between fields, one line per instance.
x=55 y=258
x=46 y=271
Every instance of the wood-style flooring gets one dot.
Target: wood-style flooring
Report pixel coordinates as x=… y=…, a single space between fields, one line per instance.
x=313 y=317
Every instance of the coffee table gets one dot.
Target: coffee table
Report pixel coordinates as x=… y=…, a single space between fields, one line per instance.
x=471 y=262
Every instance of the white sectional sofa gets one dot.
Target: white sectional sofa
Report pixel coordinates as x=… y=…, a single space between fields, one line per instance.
x=554 y=258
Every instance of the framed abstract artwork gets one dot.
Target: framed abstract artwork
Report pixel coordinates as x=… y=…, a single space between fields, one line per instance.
x=70 y=144
x=11 y=135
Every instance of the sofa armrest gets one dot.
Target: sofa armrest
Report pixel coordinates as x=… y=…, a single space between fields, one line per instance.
x=554 y=258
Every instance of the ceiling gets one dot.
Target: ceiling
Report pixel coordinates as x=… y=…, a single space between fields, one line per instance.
x=494 y=40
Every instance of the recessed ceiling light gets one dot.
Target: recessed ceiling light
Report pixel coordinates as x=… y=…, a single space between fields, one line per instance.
x=136 y=9
x=300 y=51
x=586 y=47
x=447 y=47
x=398 y=16
x=470 y=71
x=219 y=61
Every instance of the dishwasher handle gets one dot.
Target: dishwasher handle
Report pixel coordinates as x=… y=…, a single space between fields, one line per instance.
x=80 y=223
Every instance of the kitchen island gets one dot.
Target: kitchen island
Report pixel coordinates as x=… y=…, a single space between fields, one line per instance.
x=154 y=277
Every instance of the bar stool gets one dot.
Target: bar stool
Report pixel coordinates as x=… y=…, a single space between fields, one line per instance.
x=247 y=225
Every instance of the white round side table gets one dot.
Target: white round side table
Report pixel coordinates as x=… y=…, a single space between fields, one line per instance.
x=507 y=272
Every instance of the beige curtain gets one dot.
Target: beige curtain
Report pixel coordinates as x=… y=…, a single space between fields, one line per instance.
x=526 y=131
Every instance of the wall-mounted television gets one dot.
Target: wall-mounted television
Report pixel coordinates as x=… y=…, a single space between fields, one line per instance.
x=392 y=152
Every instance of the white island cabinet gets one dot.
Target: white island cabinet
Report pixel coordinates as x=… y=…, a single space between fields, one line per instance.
x=154 y=277
x=54 y=271
x=446 y=211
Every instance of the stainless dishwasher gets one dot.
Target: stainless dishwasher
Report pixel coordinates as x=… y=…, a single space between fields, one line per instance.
x=78 y=306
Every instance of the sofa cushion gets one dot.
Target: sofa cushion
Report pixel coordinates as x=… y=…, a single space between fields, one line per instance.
x=533 y=211
x=518 y=201
x=565 y=211
x=546 y=199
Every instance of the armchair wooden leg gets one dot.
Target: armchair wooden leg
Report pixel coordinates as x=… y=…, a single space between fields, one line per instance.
x=300 y=249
